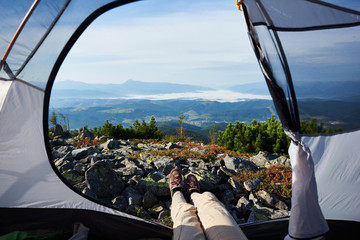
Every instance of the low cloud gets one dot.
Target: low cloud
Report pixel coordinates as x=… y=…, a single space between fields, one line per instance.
x=216 y=95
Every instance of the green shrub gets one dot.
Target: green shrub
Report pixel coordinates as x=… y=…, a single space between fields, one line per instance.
x=258 y=136
x=137 y=130
x=265 y=136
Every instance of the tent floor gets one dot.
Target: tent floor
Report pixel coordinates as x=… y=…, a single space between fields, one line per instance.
x=101 y=225
x=278 y=229
x=107 y=226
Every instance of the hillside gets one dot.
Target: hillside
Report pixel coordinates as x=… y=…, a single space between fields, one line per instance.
x=70 y=89
x=196 y=112
x=92 y=104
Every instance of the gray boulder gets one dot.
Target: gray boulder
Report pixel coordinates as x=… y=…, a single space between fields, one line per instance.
x=238 y=164
x=130 y=171
x=156 y=176
x=266 y=213
x=73 y=177
x=110 y=144
x=228 y=197
x=172 y=145
x=133 y=197
x=58 y=131
x=120 y=202
x=265 y=160
x=251 y=185
x=272 y=200
x=85 y=133
x=58 y=142
x=66 y=165
x=236 y=186
x=207 y=180
x=103 y=181
x=68 y=157
x=81 y=167
x=149 y=199
x=159 y=189
x=155 y=158
x=66 y=150
x=244 y=206
x=80 y=153
x=231 y=162
x=165 y=166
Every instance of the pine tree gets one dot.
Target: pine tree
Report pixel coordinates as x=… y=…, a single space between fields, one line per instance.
x=108 y=129
x=181 y=129
x=212 y=133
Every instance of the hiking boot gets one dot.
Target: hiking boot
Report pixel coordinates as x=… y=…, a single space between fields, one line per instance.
x=192 y=184
x=175 y=181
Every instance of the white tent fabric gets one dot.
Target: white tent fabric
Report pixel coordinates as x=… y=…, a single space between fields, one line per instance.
x=26 y=176
x=337 y=170
x=306 y=219
x=4 y=88
x=335 y=164
x=325 y=168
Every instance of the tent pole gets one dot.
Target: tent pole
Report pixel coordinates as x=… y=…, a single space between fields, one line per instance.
x=18 y=31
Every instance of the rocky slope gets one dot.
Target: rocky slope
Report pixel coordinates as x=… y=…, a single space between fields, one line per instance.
x=112 y=175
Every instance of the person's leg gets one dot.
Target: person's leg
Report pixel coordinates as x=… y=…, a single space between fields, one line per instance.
x=186 y=222
x=215 y=219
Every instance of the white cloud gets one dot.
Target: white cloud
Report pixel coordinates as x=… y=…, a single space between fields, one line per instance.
x=219 y=95
x=184 y=47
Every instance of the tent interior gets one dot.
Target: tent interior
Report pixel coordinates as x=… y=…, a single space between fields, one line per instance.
x=310 y=65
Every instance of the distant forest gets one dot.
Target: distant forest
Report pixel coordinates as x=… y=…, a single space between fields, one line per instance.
x=238 y=136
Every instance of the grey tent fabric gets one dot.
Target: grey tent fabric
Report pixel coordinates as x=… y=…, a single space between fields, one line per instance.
x=337 y=172
x=53 y=27
x=308 y=51
x=28 y=179
x=311 y=65
x=306 y=220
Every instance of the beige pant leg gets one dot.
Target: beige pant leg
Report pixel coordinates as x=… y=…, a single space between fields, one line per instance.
x=215 y=219
x=186 y=222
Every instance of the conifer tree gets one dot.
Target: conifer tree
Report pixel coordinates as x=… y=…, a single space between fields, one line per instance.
x=212 y=133
x=181 y=129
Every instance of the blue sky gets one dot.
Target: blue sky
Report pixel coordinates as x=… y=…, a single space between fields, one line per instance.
x=180 y=41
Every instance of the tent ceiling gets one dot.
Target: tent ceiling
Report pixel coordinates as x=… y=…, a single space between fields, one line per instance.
x=309 y=52
x=45 y=35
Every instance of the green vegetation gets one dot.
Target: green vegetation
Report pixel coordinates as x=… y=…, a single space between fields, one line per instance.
x=265 y=136
x=213 y=134
x=58 y=118
x=238 y=137
x=193 y=150
x=181 y=130
x=276 y=180
x=258 y=136
x=137 y=130
x=313 y=127
x=86 y=142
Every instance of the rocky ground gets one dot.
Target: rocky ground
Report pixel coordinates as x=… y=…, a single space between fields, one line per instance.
x=138 y=185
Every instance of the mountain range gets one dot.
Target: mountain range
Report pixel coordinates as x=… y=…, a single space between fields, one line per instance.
x=80 y=90
x=93 y=104
x=69 y=89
